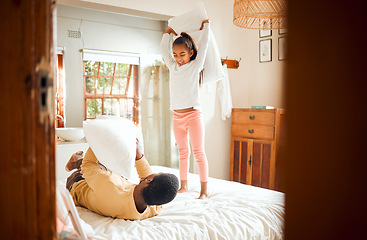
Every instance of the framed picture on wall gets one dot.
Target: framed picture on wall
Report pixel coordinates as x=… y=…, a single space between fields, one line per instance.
x=264 y=33
x=281 y=48
x=265 y=50
x=282 y=31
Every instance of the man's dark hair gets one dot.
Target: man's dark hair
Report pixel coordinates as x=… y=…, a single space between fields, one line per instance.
x=161 y=190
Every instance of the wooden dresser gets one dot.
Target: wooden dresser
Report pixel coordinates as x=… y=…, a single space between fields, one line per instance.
x=256 y=139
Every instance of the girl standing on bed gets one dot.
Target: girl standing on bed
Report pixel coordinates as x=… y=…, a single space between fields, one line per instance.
x=185 y=68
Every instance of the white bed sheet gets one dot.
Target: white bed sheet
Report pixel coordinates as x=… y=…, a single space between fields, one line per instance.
x=232 y=211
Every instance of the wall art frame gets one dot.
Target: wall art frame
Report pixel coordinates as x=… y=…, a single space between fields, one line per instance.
x=265 y=50
x=265 y=33
x=282 y=31
x=282 y=44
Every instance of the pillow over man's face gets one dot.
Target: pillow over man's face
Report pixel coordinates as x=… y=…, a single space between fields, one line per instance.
x=113 y=141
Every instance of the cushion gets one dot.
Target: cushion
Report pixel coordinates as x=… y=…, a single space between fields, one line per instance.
x=113 y=141
x=139 y=134
x=190 y=22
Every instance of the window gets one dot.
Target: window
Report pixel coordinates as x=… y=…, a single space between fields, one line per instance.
x=59 y=96
x=111 y=88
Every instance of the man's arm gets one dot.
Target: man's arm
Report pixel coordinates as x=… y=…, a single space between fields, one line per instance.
x=93 y=174
x=142 y=166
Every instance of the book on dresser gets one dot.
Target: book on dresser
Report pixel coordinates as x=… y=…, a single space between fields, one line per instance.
x=256 y=140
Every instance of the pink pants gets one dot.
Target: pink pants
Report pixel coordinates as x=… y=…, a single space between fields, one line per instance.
x=190 y=123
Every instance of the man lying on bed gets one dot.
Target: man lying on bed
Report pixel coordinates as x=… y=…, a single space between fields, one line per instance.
x=95 y=187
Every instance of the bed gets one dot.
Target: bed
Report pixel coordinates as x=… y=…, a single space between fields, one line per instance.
x=232 y=211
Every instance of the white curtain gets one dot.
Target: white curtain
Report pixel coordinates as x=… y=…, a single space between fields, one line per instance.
x=110 y=56
x=156 y=118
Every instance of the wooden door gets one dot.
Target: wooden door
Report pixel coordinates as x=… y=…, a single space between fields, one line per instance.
x=27 y=177
x=240 y=155
x=253 y=162
x=325 y=155
x=259 y=164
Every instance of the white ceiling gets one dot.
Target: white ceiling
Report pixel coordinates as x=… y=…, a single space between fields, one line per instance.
x=155 y=9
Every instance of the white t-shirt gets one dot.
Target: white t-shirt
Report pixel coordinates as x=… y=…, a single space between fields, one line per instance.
x=184 y=80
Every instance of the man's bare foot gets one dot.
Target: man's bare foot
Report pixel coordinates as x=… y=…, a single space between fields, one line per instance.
x=183 y=187
x=75 y=161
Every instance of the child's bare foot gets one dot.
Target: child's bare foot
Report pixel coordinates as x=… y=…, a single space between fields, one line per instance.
x=182 y=190
x=203 y=196
x=183 y=187
x=75 y=161
x=204 y=190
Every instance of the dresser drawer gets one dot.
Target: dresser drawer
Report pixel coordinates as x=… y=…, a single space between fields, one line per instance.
x=254 y=116
x=253 y=131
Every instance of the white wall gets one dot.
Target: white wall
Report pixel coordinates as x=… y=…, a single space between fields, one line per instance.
x=253 y=83
x=102 y=31
x=265 y=79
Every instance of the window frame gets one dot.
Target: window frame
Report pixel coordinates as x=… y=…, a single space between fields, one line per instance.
x=59 y=91
x=132 y=78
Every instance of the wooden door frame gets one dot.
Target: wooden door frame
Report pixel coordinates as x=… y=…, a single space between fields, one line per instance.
x=27 y=68
x=325 y=155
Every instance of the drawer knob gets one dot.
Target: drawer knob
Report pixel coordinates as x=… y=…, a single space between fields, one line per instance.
x=252 y=117
x=251 y=130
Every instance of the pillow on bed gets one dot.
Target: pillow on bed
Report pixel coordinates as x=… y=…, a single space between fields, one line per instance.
x=113 y=141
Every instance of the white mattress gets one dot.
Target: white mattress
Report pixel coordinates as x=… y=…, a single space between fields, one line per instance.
x=232 y=211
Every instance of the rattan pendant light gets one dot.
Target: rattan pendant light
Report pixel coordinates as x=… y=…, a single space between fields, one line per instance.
x=260 y=14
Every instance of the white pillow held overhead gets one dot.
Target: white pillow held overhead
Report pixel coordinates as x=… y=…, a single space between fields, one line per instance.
x=113 y=141
x=190 y=22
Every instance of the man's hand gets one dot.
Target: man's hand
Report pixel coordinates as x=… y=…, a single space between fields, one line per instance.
x=139 y=154
x=75 y=161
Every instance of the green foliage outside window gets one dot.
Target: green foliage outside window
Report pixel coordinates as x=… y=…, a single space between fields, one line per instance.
x=105 y=89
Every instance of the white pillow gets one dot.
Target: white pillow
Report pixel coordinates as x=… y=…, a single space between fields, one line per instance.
x=139 y=134
x=190 y=23
x=113 y=141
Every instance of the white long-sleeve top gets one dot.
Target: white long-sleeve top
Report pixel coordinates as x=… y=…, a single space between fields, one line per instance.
x=184 y=80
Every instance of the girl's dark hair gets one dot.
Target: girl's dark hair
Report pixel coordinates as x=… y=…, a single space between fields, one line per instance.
x=161 y=190
x=186 y=39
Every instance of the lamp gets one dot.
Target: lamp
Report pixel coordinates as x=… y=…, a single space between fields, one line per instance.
x=259 y=14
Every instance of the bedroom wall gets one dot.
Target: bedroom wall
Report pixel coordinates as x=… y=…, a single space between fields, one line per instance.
x=102 y=31
x=253 y=83
x=265 y=79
